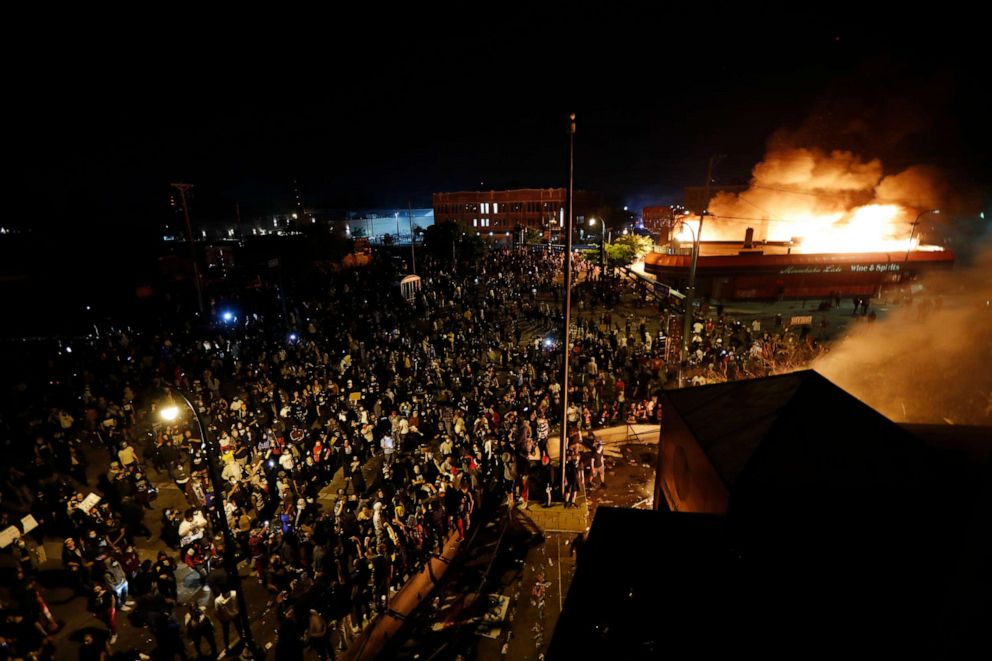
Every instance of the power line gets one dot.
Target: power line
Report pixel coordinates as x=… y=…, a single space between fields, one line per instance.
x=741 y=197
x=758 y=220
x=797 y=192
x=748 y=220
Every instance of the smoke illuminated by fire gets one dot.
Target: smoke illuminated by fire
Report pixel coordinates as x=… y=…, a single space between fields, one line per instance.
x=825 y=202
x=922 y=362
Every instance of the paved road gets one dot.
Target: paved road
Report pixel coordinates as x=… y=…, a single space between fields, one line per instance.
x=72 y=610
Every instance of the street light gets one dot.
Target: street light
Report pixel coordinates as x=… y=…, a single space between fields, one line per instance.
x=687 y=317
x=182 y=188
x=602 y=243
x=170 y=413
x=567 y=227
x=696 y=238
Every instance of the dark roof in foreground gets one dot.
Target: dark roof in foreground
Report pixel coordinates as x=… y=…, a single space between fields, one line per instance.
x=652 y=585
x=845 y=536
x=730 y=420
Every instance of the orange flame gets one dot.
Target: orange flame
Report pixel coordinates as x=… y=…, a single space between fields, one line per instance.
x=821 y=202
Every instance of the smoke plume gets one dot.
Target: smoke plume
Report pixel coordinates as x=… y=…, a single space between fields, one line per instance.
x=926 y=362
x=834 y=201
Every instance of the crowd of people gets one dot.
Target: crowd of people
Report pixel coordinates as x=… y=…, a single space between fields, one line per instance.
x=353 y=437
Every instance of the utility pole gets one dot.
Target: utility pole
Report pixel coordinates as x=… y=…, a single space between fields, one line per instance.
x=182 y=188
x=602 y=248
x=241 y=228
x=413 y=239
x=567 y=262
x=691 y=289
x=230 y=556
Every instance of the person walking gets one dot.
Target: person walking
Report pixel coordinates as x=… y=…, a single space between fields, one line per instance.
x=597 y=466
x=572 y=470
x=227 y=612
x=198 y=627
x=103 y=605
x=116 y=580
x=318 y=636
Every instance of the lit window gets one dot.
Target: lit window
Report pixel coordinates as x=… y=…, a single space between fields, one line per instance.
x=475 y=222
x=495 y=207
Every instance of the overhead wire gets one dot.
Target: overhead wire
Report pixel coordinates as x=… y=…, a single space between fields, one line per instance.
x=797 y=192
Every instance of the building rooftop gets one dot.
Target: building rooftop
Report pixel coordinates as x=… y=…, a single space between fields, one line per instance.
x=845 y=535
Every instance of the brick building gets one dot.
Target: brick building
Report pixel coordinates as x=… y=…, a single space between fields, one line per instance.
x=659 y=220
x=497 y=213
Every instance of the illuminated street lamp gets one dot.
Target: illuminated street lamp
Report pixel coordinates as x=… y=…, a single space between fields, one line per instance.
x=687 y=317
x=169 y=413
x=602 y=243
x=696 y=238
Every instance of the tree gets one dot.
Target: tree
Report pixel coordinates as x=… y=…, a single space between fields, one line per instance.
x=533 y=237
x=449 y=241
x=638 y=245
x=320 y=244
x=471 y=247
x=619 y=254
x=439 y=240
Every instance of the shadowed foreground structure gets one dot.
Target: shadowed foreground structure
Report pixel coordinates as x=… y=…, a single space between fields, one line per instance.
x=810 y=525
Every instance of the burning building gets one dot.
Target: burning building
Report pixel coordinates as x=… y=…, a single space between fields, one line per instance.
x=727 y=271
x=811 y=224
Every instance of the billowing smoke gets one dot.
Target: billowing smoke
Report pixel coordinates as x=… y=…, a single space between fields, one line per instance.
x=829 y=201
x=812 y=169
x=926 y=362
x=917 y=187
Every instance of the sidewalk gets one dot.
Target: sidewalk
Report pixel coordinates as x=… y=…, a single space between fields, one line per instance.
x=72 y=610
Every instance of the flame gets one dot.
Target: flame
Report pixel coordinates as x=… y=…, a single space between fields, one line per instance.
x=688 y=229
x=822 y=203
x=868 y=228
x=871 y=228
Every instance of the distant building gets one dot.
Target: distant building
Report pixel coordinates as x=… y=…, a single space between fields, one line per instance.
x=369 y=223
x=499 y=213
x=727 y=271
x=660 y=221
x=376 y=223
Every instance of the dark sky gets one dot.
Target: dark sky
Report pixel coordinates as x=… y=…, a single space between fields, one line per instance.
x=364 y=114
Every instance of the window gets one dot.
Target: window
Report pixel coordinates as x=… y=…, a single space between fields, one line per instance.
x=495 y=207
x=475 y=222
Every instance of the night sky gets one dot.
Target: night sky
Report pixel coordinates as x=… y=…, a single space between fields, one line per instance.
x=378 y=116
